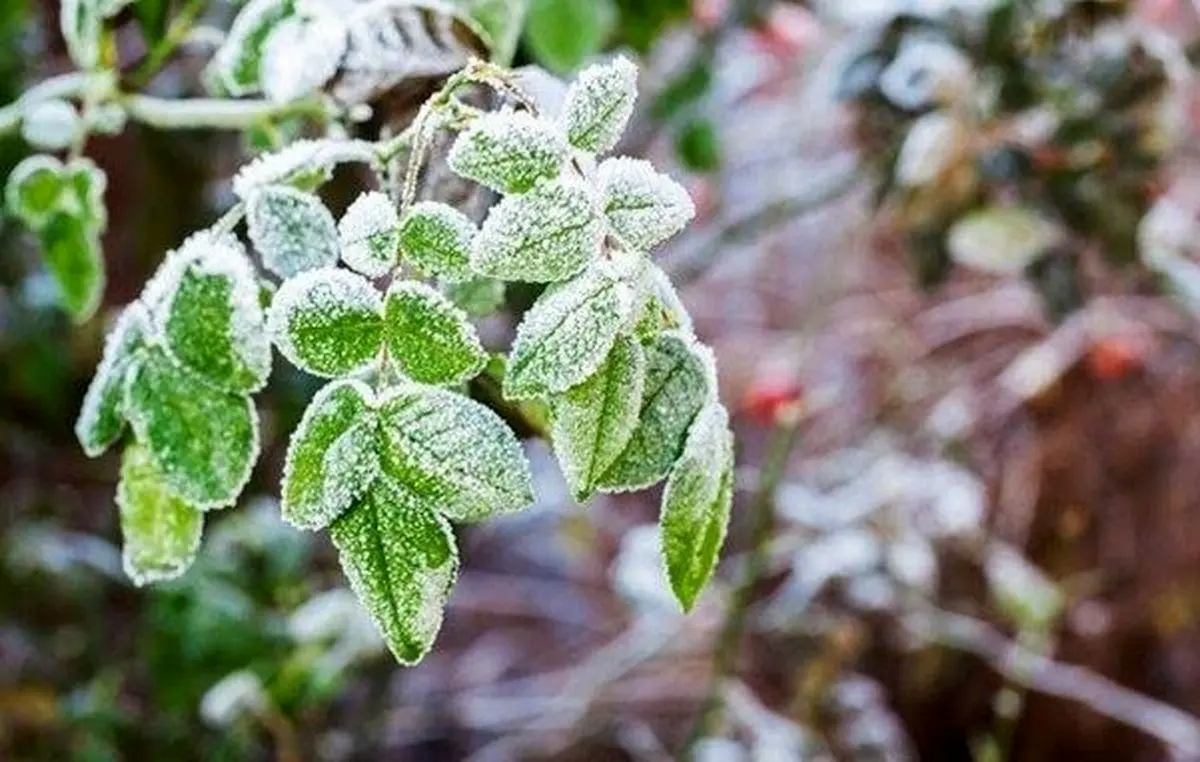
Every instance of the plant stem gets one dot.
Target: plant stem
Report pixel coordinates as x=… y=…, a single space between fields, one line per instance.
x=70 y=85
x=212 y=113
x=181 y=27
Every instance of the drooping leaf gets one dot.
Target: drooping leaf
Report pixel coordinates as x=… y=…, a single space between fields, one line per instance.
x=478 y=297
x=332 y=458
x=453 y=453
x=509 y=152
x=81 y=25
x=567 y=333
x=102 y=417
x=160 y=532
x=301 y=53
x=71 y=249
x=401 y=560
x=369 y=233
x=643 y=207
x=328 y=322
x=437 y=238
x=33 y=190
x=547 y=235
x=598 y=105
x=291 y=230
x=203 y=440
x=593 y=421
x=678 y=385
x=427 y=337
x=696 y=504
x=565 y=34
x=236 y=66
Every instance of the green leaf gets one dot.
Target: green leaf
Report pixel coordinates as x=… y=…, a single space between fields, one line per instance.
x=509 y=152
x=567 y=333
x=679 y=382
x=72 y=253
x=328 y=322
x=33 y=190
x=662 y=309
x=427 y=337
x=81 y=26
x=291 y=230
x=160 y=532
x=202 y=440
x=500 y=22
x=152 y=17
x=437 y=238
x=369 y=233
x=598 y=105
x=83 y=195
x=643 y=207
x=401 y=560
x=236 y=66
x=102 y=417
x=455 y=454
x=594 y=420
x=565 y=34
x=546 y=235
x=332 y=458
x=696 y=505
x=478 y=297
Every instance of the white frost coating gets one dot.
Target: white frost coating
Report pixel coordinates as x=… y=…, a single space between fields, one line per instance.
x=1002 y=240
x=437 y=238
x=303 y=158
x=50 y=125
x=351 y=465
x=20 y=176
x=643 y=207
x=166 y=278
x=317 y=300
x=291 y=230
x=301 y=54
x=658 y=287
x=509 y=152
x=100 y=417
x=598 y=105
x=369 y=232
x=248 y=24
x=80 y=23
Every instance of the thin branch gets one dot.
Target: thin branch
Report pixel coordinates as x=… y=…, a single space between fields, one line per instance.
x=177 y=33
x=212 y=113
x=72 y=85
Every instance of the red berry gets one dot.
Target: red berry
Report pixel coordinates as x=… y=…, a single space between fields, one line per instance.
x=768 y=398
x=1114 y=358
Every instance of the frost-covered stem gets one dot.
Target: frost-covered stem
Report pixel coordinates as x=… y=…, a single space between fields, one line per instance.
x=177 y=33
x=774 y=468
x=230 y=219
x=70 y=85
x=212 y=113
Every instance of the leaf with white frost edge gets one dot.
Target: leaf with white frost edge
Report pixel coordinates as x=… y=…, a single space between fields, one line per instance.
x=291 y=230
x=437 y=238
x=235 y=67
x=369 y=233
x=661 y=308
x=598 y=105
x=102 y=416
x=567 y=333
x=160 y=532
x=549 y=234
x=593 y=421
x=203 y=441
x=696 y=504
x=429 y=339
x=328 y=322
x=305 y=164
x=401 y=561
x=1002 y=240
x=643 y=207
x=453 y=453
x=509 y=152
x=679 y=382
x=33 y=189
x=81 y=25
x=300 y=55
x=332 y=458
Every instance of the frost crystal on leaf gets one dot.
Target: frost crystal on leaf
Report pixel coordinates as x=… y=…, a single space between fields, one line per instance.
x=203 y=441
x=567 y=334
x=678 y=385
x=304 y=163
x=593 y=421
x=546 y=235
x=160 y=532
x=437 y=238
x=477 y=297
x=314 y=491
x=102 y=418
x=51 y=125
x=291 y=230
x=401 y=560
x=598 y=105
x=454 y=454
x=427 y=337
x=643 y=207
x=80 y=22
x=509 y=152
x=370 y=235
x=696 y=504
x=236 y=66
x=301 y=54
x=662 y=309
x=328 y=322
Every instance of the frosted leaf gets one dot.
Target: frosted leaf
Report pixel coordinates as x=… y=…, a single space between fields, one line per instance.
x=455 y=454
x=51 y=125
x=934 y=143
x=509 y=152
x=110 y=8
x=369 y=234
x=305 y=164
x=696 y=504
x=643 y=207
x=236 y=66
x=102 y=416
x=83 y=196
x=291 y=230
x=34 y=188
x=81 y=24
x=203 y=441
x=211 y=318
x=401 y=561
x=593 y=421
x=678 y=385
x=437 y=238
x=314 y=491
x=567 y=333
x=301 y=54
x=546 y=235
x=427 y=337
x=328 y=322
x=598 y=105
x=477 y=297
x=662 y=309
x=1002 y=240
x=160 y=532
x=71 y=249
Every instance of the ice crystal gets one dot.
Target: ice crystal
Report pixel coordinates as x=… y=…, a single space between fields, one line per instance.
x=643 y=207
x=291 y=230
x=370 y=235
x=599 y=104
x=427 y=337
x=328 y=322
x=437 y=238
x=509 y=152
